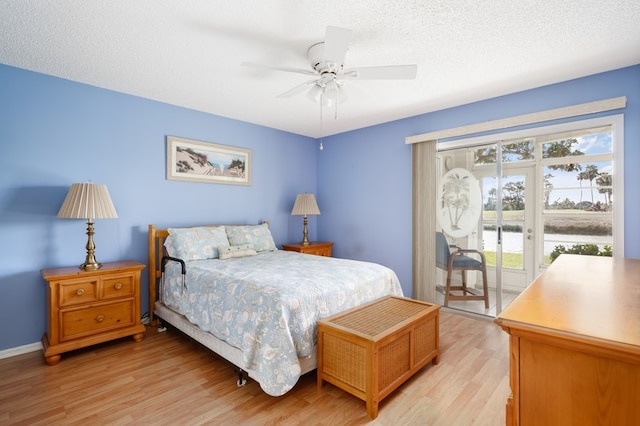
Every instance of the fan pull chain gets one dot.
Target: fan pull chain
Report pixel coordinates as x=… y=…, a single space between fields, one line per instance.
x=335 y=105
x=321 y=95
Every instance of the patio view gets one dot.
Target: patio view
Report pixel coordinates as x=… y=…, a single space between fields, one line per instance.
x=577 y=198
x=556 y=196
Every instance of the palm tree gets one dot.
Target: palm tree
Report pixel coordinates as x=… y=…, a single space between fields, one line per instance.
x=591 y=173
x=455 y=196
x=605 y=182
x=548 y=187
x=581 y=176
x=491 y=199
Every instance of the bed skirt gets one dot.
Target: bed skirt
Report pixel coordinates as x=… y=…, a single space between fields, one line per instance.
x=221 y=348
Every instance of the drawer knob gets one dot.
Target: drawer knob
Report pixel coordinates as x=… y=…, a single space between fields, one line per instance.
x=100 y=318
x=80 y=291
x=118 y=286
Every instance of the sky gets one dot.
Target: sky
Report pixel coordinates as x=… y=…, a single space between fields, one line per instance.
x=566 y=184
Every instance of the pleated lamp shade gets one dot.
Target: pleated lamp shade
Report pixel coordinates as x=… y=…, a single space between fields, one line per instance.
x=305 y=205
x=88 y=201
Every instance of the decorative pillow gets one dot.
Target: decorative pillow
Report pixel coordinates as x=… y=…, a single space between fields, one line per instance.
x=168 y=245
x=227 y=252
x=196 y=243
x=257 y=236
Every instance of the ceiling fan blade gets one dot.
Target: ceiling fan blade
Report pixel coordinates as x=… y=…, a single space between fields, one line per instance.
x=336 y=43
x=389 y=72
x=298 y=89
x=276 y=68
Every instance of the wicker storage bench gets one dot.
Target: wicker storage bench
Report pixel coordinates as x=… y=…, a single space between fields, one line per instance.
x=370 y=350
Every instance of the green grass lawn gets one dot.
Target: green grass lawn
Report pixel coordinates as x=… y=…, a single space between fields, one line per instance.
x=577 y=222
x=506 y=215
x=509 y=260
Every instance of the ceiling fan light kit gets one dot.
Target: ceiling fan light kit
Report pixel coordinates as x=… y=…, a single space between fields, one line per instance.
x=327 y=59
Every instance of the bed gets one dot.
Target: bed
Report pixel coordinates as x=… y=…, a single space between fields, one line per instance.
x=229 y=288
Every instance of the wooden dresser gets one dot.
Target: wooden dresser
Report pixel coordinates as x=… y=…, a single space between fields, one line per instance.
x=575 y=344
x=318 y=248
x=89 y=307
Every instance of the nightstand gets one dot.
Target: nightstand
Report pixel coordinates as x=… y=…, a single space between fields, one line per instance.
x=90 y=307
x=318 y=248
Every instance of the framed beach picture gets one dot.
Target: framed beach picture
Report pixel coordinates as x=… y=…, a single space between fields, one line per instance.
x=197 y=161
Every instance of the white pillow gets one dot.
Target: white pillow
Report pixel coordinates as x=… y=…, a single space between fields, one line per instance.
x=257 y=237
x=227 y=252
x=196 y=243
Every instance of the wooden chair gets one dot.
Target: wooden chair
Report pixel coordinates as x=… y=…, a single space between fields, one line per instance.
x=459 y=260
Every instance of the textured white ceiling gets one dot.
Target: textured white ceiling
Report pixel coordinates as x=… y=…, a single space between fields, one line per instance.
x=188 y=52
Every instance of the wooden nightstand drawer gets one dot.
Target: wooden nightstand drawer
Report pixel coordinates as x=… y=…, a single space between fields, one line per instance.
x=86 y=307
x=319 y=251
x=81 y=322
x=117 y=287
x=77 y=292
x=317 y=248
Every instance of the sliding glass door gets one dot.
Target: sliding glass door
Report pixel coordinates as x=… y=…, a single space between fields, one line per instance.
x=522 y=200
x=502 y=216
x=507 y=229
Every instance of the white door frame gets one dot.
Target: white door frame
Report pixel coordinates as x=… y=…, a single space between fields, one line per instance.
x=516 y=280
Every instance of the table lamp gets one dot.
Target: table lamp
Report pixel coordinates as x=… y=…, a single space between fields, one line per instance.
x=305 y=205
x=88 y=201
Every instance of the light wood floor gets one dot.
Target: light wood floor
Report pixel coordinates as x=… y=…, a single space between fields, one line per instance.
x=475 y=306
x=169 y=379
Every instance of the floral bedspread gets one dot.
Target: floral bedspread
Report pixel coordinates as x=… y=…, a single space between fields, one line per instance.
x=267 y=305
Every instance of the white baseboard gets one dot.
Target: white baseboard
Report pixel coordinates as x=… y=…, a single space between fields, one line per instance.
x=19 y=350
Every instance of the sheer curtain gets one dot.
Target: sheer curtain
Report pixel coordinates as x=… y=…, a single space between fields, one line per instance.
x=424 y=172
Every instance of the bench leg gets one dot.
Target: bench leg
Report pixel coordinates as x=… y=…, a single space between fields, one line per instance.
x=372 y=407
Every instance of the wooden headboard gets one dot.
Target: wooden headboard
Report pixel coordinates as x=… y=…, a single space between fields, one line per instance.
x=156 y=252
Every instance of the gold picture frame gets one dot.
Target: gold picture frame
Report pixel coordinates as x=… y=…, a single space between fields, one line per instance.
x=198 y=161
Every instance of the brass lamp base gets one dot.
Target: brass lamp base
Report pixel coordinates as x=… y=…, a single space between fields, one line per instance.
x=90 y=262
x=305 y=232
x=91 y=266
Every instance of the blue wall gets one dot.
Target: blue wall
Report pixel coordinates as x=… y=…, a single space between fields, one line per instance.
x=55 y=132
x=364 y=176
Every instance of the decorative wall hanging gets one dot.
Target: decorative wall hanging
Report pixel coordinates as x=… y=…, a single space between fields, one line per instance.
x=459 y=202
x=198 y=161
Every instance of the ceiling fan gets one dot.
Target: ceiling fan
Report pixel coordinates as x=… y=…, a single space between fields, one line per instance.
x=329 y=74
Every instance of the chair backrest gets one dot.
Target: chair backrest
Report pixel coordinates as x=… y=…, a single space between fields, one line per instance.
x=442 y=251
